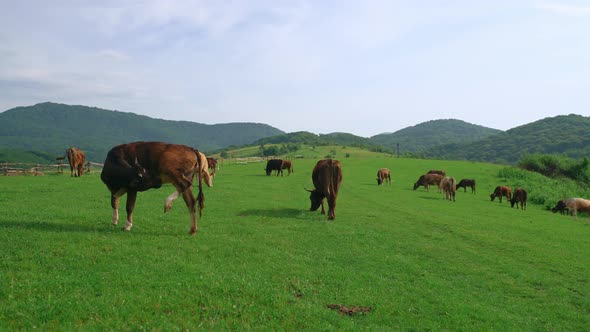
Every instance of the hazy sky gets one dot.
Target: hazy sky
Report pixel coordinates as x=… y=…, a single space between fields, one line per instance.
x=363 y=67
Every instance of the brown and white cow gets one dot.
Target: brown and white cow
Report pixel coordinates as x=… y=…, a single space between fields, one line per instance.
x=448 y=186
x=383 y=174
x=428 y=180
x=76 y=159
x=288 y=165
x=519 y=196
x=139 y=166
x=574 y=205
x=502 y=191
x=327 y=178
x=464 y=183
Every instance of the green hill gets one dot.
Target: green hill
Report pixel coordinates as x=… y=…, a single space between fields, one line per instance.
x=304 y=137
x=51 y=128
x=425 y=135
x=565 y=134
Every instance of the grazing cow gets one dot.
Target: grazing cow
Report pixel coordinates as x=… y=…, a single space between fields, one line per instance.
x=204 y=169
x=519 y=196
x=436 y=171
x=561 y=207
x=139 y=166
x=502 y=191
x=383 y=174
x=448 y=186
x=288 y=165
x=427 y=180
x=326 y=177
x=274 y=165
x=464 y=183
x=212 y=165
x=574 y=205
x=76 y=158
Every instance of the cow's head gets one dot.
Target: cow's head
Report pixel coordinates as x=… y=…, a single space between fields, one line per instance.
x=416 y=185
x=141 y=172
x=316 y=199
x=379 y=181
x=561 y=206
x=492 y=196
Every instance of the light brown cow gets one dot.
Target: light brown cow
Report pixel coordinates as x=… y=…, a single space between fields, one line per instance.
x=76 y=158
x=448 y=186
x=502 y=191
x=427 y=180
x=574 y=205
x=383 y=174
x=204 y=169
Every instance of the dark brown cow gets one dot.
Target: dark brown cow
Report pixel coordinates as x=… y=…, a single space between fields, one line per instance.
x=561 y=207
x=519 y=196
x=464 y=183
x=383 y=174
x=427 y=180
x=448 y=186
x=76 y=158
x=274 y=165
x=326 y=177
x=502 y=191
x=212 y=165
x=139 y=166
x=436 y=171
x=288 y=165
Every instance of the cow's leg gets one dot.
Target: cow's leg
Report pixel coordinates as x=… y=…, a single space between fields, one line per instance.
x=115 y=204
x=71 y=171
x=169 y=200
x=131 y=197
x=323 y=211
x=331 y=208
x=191 y=203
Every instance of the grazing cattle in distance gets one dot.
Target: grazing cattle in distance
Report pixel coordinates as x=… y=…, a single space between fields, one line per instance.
x=383 y=174
x=327 y=178
x=561 y=207
x=288 y=165
x=436 y=171
x=464 y=183
x=139 y=166
x=427 y=180
x=502 y=191
x=574 y=205
x=448 y=186
x=76 y=158
x=274 y=165
x=212 y=165
x=519 y=196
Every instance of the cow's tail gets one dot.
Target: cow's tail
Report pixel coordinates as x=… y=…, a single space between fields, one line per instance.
x=200 y=197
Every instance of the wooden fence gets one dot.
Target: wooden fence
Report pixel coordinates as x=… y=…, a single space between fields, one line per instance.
x=16 y=168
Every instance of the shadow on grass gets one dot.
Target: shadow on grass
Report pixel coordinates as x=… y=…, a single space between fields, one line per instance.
x=274 y=213
x=54 y=227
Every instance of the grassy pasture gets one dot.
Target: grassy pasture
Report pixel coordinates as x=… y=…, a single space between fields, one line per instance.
x=262 y=260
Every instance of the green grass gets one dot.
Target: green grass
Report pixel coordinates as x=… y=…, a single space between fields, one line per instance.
x=261 y=260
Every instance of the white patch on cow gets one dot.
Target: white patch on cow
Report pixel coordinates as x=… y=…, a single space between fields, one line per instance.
x=169 y=200
x=128 y=225
x=115 y=216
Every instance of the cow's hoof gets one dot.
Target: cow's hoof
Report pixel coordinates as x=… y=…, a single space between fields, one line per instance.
x=193 y=231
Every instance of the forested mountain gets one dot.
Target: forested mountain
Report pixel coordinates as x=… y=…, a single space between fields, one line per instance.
x=431 y=133
x=51 y=128
x=565 y=134
x=304 y=137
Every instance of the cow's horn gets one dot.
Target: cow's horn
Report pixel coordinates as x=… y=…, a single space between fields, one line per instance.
x=308 y=190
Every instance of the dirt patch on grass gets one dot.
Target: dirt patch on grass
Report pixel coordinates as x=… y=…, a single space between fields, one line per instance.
x=344 y=310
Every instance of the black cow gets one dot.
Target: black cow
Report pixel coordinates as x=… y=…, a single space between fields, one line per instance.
x=274 y=165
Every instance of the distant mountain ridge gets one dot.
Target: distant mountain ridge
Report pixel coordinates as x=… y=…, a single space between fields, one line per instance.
x=564 y=134
x=425 y=135
x=52 y=128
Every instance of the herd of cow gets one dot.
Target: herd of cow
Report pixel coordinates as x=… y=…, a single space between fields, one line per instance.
x=134 y=167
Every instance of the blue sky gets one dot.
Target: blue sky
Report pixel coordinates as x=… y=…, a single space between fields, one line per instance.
x=363 y=67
